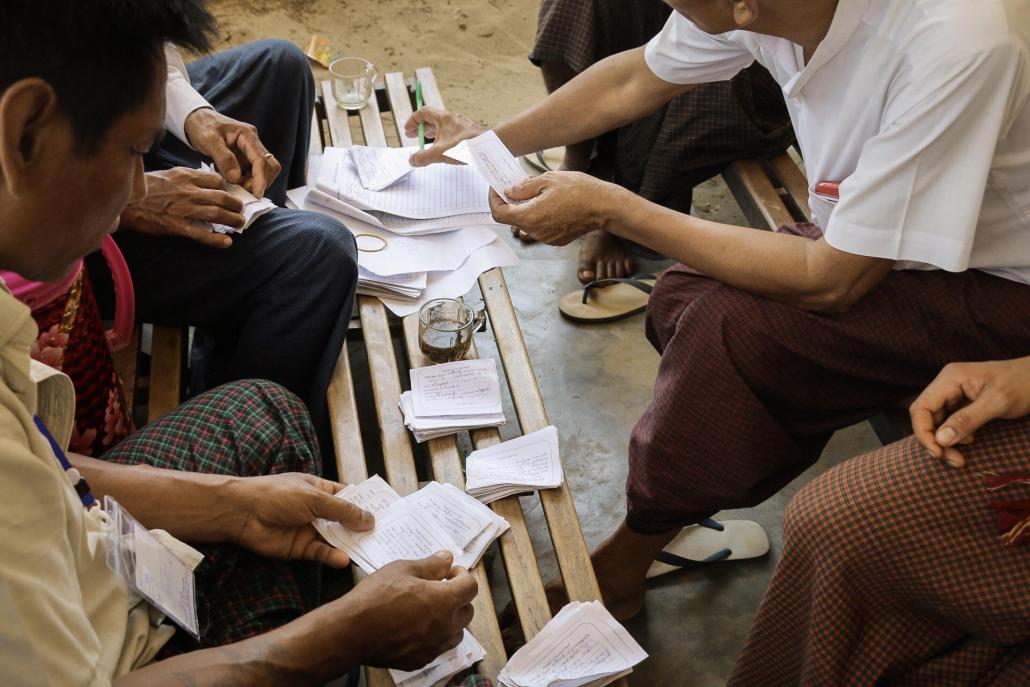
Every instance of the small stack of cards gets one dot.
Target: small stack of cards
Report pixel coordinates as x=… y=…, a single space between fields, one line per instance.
x=465 y=655
x=582 y=646
x=448 y=398
x=524 y=464
x=438 y=517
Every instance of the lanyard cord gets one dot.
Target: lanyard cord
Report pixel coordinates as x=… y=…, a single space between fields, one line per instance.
x=78 y=481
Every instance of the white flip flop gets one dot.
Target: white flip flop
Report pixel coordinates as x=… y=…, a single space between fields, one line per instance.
x=709 y=542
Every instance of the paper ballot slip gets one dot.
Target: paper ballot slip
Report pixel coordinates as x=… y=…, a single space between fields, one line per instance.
x=465 y=655
x=253 y=207
x=582 y=645
x=459 y=389
x=438 y=517
x=526 y=463
x=426 y=428
x=492 y=159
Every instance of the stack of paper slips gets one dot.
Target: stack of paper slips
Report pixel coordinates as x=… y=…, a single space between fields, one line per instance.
x=448 y=398
x=582 y=646
x=527 y=463
x=465 y=655
x=438 y=517
x=253 y=207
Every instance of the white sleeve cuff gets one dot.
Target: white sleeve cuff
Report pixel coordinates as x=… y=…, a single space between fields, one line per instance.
x=909 y=246
x=181 y=100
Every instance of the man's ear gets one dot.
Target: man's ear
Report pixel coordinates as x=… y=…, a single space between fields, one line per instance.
x=745 y=12
x=28 y=115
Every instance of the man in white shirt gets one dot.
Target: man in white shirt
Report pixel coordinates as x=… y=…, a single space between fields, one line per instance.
x=271 y=303
x=771 y=341
x=73 y=134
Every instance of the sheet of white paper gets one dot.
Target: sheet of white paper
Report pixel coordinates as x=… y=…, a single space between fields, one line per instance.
x=400 y=533
x=529 y=460
x=374 y=494
x=494 y=161
x=380 y=167
x=458 y=282
x=434 y=191
x=457 y=513
x=465 y=387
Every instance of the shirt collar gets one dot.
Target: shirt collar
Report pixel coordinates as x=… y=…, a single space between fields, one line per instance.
x=846 y=20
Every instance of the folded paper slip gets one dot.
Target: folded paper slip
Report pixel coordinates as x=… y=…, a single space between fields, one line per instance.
x=438 y=517
x=527 y=463
x=425 y=429
x=581 y=646
x=468 y=653
x=253 y=207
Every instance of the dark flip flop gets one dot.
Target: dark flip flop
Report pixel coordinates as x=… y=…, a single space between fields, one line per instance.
x=608 y=300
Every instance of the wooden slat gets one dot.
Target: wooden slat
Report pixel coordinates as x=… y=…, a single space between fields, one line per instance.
x=315 y=142
x=372 y=124
x=793 y=181
x=346 y=429
x=339 y=128
x=165 y=371
x=430 y=90
x=566 y=534
x=755 y=194
x=125 y=366
x=446 y=464
x=400 y=105
x=386 y=388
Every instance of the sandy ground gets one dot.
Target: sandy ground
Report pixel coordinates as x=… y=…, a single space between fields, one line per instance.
x=477 y=48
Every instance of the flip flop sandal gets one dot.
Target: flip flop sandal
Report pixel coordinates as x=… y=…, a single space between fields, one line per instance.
x=711 y=541
x=607 y=300
x=546 y=160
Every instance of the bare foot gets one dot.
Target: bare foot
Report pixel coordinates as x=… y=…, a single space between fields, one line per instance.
x=621 y=563
x=601 y=256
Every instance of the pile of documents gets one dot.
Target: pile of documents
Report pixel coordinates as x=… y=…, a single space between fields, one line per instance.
x=582 y=645
x=465 y=655
x=438 y=517
x=451 y=397
x=422 y=233
x=527 y=463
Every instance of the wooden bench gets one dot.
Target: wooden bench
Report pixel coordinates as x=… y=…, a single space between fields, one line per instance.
x=772 y=193
x=165 y=381
x=387 y=372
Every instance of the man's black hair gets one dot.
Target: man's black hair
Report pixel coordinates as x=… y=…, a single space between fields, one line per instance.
x=98 y=55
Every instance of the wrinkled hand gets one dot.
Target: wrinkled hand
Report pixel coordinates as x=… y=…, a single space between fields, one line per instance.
x=447 y=129
x=558 y=207
x=413 y=611
x=276 y=512
x=180 y=195
x=235 y=148
x=963 y=398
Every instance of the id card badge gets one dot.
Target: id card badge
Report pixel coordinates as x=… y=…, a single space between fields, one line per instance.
x=150 y=569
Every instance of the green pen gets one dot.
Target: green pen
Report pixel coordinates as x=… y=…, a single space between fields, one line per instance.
x=418 y=106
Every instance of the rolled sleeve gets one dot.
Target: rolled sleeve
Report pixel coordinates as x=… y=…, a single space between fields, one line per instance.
x=181 y=99
x=684 y=54
x=918 y=188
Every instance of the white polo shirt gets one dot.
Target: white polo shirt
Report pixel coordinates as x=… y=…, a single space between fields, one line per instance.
x=919 y=108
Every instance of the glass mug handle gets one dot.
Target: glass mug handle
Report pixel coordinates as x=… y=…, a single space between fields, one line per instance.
x=477 y=320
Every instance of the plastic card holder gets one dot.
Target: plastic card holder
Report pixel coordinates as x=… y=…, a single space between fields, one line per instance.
x=150 y=569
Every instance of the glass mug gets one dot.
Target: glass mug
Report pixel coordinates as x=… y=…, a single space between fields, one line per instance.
x=445 y=329
x=353 y=82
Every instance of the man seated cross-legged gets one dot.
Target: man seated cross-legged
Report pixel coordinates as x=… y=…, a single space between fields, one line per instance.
x=771 y=341
x=233 y=472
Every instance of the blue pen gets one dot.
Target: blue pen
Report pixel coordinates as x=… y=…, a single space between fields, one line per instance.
x=81 y=487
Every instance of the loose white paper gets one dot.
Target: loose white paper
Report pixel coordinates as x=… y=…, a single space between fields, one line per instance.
x=380 y=167
x=494 y=161
x=458 y=389
x=526 y=463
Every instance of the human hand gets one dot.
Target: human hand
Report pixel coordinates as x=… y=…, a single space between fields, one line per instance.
x=178 y=196
x=276 y=512
x=413 y=611
x=558 y=207
x=235 y=147
x=963 y=398
x=447 y=129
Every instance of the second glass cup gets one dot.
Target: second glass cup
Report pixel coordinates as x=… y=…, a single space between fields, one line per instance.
x=445 y=329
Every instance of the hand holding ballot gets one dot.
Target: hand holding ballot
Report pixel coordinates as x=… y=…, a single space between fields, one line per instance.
x=447 y=129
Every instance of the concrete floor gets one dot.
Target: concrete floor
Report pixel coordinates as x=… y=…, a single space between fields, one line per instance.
x=596 y=381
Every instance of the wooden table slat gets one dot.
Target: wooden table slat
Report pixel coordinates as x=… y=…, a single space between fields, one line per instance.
x=165 y=371
x=430 y=90
x=566 y=533
x=400 y=105
x=125 y=361
x=339 y=127
x=755 y=195
x=372 y=124
x=343 y=408
x=793 y=181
